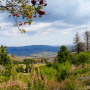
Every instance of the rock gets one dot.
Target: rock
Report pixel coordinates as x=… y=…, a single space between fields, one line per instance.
x=82 y=78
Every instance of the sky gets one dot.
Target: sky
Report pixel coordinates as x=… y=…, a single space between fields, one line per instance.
x=58 y=28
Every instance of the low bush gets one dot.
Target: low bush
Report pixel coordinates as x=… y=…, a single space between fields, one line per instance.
x=82 y=57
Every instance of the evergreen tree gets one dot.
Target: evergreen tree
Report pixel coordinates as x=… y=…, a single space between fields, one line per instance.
x=5 y=60
x=63 y=54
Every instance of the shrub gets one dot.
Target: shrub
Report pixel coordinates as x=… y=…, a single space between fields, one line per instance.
x=74 y=58
x=82 y=57
x=55 y=65
x=20 y=69
x=49 y=64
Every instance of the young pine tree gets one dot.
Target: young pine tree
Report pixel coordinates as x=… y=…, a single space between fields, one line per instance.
x=5 y=60
x=63 y=54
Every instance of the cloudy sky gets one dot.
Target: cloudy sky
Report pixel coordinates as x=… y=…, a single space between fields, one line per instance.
x=57 y=28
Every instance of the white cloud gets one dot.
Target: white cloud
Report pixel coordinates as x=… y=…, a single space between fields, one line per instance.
x=45 y=33
x=5 y=24
x=66 y=32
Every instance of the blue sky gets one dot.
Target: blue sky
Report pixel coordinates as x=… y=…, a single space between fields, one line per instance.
x=57 y=28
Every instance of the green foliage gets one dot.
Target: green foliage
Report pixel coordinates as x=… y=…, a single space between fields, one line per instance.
x=49 y=72
x=82 y=57
x=27 y=67
x=4 y=56
x=74 y=58
x=29 y=61
x=63 y=54
x=8 y=70
x=63 y=70
x=15 y=62
x=5 y=60
x=36 y=69
x=49 y=64
x=20 y=69
x=55 y=65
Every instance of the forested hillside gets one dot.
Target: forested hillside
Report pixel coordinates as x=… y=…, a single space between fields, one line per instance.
x=34 y=49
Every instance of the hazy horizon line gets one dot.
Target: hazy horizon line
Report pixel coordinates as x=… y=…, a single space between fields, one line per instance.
x=43 y=45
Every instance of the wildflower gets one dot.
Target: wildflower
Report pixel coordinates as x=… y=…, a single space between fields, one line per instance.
x=80 y=66
x=73 y=67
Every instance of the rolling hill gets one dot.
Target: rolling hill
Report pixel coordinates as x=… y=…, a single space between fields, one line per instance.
x=33 y=49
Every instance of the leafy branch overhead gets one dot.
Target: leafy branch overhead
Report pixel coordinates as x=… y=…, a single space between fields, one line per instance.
x=25 y=10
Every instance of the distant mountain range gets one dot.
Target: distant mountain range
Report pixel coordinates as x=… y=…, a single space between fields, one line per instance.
x=34 y=49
